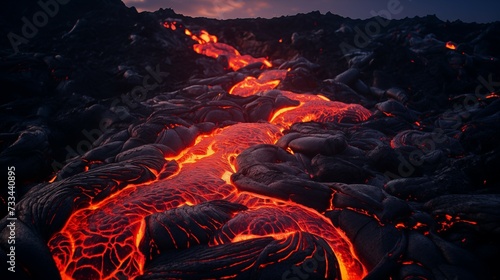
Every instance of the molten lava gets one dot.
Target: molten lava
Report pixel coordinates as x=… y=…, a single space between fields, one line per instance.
x=102 y=241
x=450 y=45
x=208 y=45
x=203 y=38
x=266 y=81
x=235 y=59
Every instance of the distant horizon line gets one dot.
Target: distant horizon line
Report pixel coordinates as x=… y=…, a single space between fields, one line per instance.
x=321 y=13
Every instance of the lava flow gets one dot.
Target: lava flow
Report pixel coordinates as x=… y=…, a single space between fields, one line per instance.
x=450 y=45
x=113 y=239
x=208 y=45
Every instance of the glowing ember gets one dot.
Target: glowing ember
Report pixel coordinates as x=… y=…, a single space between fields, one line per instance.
x=450 y=45
x=170 y=25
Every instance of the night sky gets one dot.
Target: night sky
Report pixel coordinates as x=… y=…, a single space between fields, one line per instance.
x=465 y=10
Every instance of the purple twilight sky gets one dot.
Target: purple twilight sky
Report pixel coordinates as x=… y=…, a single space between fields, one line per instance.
x=465 y=10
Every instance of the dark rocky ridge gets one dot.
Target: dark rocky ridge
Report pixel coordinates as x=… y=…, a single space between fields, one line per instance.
x=64 y=82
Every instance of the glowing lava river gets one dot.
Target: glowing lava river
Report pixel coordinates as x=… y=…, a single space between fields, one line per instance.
x=103 y=241
x=221 y=202
x=115 y=238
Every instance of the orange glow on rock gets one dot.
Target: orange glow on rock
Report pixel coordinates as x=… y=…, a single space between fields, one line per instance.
x=52 y=179
x=280 y=112
x=227 y=177
x=450 y=45
x=266 y=81
x=323 y=97
x=203 y=38
x=251 y=86
x=170 y=25
x=277 y=236
x=138 y=239
x=314 y=108
x=272 y=75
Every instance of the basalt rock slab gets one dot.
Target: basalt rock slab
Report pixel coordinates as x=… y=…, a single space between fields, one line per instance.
x=185 y=227
x=251 y=257
x=271 y=171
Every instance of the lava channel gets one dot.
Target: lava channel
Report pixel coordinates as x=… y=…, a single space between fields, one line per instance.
x=103 y=240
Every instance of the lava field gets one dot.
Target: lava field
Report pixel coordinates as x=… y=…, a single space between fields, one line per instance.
x=155 y=145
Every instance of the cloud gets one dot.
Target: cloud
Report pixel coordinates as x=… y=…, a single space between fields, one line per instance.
x=468 y=10
x=256 y=7
x=221 y=9
x=217 y=8
x=203 y=8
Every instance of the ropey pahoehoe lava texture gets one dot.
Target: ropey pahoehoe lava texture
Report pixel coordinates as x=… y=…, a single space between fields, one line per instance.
x=160 y=146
